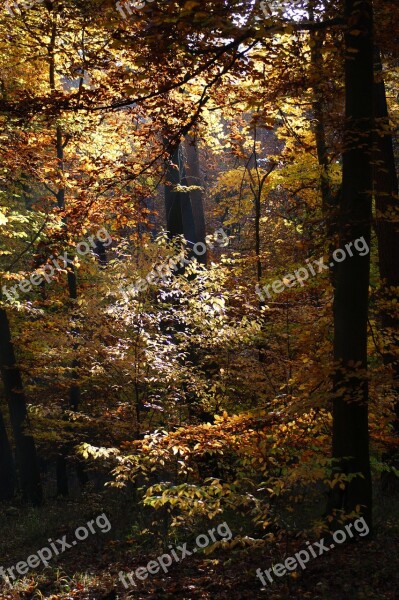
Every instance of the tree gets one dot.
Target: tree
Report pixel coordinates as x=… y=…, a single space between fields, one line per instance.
x=184 y=206
x=386 y=226
x=350 y=395
x=24 y=442
x=7 y=469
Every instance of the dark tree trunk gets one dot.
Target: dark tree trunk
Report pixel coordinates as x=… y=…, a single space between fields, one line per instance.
x=174 y=221
x=387 y=230
x=185 y=216
x=179 y=214
x=193 y=177
x=7 y=470
x=62 y=475
x=350 y=395
x=24 y=442
x=386 y=200
x=100 y=253
x=81 y=473
x=184 y=210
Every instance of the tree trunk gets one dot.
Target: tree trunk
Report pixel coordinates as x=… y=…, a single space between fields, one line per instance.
x=328 y=200
x=24 y=442
x=386 y=185
x=387 y=230
x=185 y=210
x=350 y=393
x=74 y=391
x=386 y=200
x=174 y=221
x=185 y=216
x=62 y=474
x=317 y=39
x=7 y=470
x=193 y=177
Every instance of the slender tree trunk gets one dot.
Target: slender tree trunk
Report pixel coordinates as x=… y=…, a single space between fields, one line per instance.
x=7 y=469
x=24 y=442
x=328 y=200
x=350 y=395
x=62 y=474
x=74 y=391
x=317 y=39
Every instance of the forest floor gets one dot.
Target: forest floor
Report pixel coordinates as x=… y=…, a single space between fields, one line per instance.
x=365 y=569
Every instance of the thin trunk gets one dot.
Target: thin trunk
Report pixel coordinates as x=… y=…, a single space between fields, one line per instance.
x=257 y=235
x=24 y=442
x=74 y=391
x=256 y=186
x=62 y=475
x=350 y=395
x=7 y=469
x=319 y=117
x=328 y=200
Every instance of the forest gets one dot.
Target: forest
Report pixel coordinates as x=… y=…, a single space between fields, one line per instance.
x=199 y=299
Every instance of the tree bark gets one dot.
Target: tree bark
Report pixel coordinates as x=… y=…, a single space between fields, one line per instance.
x=193 y=177
x=386 y=201
x=7 y=469
x=24 y=442
x=174 y=221
x=350 y=391
x=328 y=200
x=185 y=216
x=185 y=210
x=74 y=390
x=387 y=230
